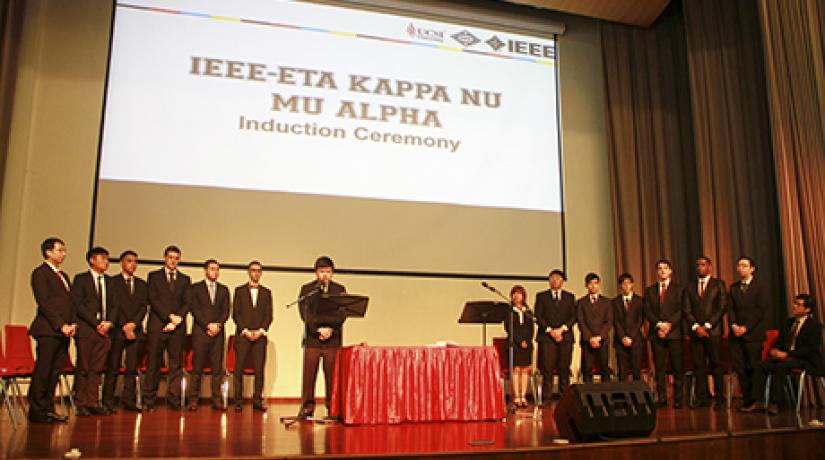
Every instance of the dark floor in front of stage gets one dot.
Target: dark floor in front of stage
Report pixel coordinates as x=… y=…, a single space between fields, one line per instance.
x=165 y=433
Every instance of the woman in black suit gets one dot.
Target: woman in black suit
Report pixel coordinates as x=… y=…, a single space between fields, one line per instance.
x=523 y=333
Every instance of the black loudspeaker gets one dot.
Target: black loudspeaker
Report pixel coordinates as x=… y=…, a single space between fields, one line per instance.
x=601 y=411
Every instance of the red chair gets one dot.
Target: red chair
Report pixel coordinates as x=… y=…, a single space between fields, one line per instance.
x=771 y=336
x=19 y=359
x=12 y=396
x=65 y=388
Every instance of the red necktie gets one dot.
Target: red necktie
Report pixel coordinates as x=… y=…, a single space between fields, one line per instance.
x=662 y=292
x=702 y=288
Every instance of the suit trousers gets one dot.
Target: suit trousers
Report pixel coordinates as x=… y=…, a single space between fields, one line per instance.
x=51 y=357
x=92 y=352
x=257 y=350
x=312 y=358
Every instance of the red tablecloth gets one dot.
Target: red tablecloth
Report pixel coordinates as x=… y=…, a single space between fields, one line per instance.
x=375 y=385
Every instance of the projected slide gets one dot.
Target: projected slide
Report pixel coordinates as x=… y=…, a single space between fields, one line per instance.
x=329 y=101
x=446 y=132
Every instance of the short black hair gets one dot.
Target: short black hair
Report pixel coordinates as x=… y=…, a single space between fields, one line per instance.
x=557 y=271
x=625 y=276
x=749 y=259
x=808 y=300
x=324 y=262
x=590 y=277
x=664 y=261
x=128 y=252
x=209 y=262
x=96 y=251
x=171 y=248
x=254 y=262
x=49 y=243
x=706 y=259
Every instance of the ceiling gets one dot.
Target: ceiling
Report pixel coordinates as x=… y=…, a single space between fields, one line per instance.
x=640 y=13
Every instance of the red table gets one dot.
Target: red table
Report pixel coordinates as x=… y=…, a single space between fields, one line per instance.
x=376 y=385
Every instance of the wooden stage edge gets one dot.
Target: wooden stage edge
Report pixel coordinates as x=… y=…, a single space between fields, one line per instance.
x=685 y=434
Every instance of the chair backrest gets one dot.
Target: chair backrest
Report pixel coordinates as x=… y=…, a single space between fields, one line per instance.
x=18 y=347
x=770 y=338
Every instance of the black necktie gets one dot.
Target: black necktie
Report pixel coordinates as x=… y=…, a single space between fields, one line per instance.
x=744 y=287
x=172 y=281
x=100 y=299
x=130 y=283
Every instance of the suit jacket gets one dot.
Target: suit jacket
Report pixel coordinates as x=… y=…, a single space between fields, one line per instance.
x=203 y=310
x=628 y=323
x=522 y=332
x=595 y=319
x=251 y=317
x=709 y=308
x=554 y=314
x=54 y=304
x=808 y=343
x=131 y=307
x=670 y=310
x=87 y=303
x=750 y=309
x=164 y=301
x=313 y=319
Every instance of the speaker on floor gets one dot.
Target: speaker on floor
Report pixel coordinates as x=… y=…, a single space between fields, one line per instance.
x=603 y=411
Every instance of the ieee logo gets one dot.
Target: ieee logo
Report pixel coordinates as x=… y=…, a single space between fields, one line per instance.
x=495 y=43
x=465 y=38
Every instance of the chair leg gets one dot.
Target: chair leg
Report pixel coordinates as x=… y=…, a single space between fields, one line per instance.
x=20 y=398
x=729 y=385
x=801 y=392
x=139 y=389
x=768 y=390
x=4 y=388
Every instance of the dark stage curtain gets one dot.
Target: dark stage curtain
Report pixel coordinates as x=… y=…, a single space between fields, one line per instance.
x=11 y=21
x=650 y=147
x=738 y=209
x=689 y=143
x=794 y=43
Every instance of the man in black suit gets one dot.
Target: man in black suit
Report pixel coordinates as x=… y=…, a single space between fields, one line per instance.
x=54 y=323
x=167 y=328
x=750 y=299
x=705 y=303
x=663 y=309
x=595 y=315
x=628 y=321
x=131 y=295
x=208 y=302
x=799 y=346
x=93 y=298
x=556 y=315
x=322 y=334
x=252 y=313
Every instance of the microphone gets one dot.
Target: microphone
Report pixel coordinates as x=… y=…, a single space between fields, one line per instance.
x=487 y=286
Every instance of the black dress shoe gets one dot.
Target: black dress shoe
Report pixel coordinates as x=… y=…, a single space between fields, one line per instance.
x=719 y=404
x=131 y=407
x=35 y=418
x=82 y=411
x=661 y=403
x=677 y=405
x=772 y=409
x=174 y=406
x=57 y=417
x=238 y=407
x=149 y=407
x=192 y=406
x=218 y=406
x=259 y=407
x=99 y=410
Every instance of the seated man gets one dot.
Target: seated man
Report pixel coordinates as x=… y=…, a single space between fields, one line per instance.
x=798 y=347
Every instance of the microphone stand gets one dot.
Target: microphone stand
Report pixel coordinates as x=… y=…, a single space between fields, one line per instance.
x=511 y=409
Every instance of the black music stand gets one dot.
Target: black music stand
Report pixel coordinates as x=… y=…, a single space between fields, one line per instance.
x=483 y=312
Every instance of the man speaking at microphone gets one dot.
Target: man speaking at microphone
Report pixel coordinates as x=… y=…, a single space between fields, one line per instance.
x=322 y=337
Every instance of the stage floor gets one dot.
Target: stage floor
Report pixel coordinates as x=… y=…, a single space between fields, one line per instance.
x=700 y=433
